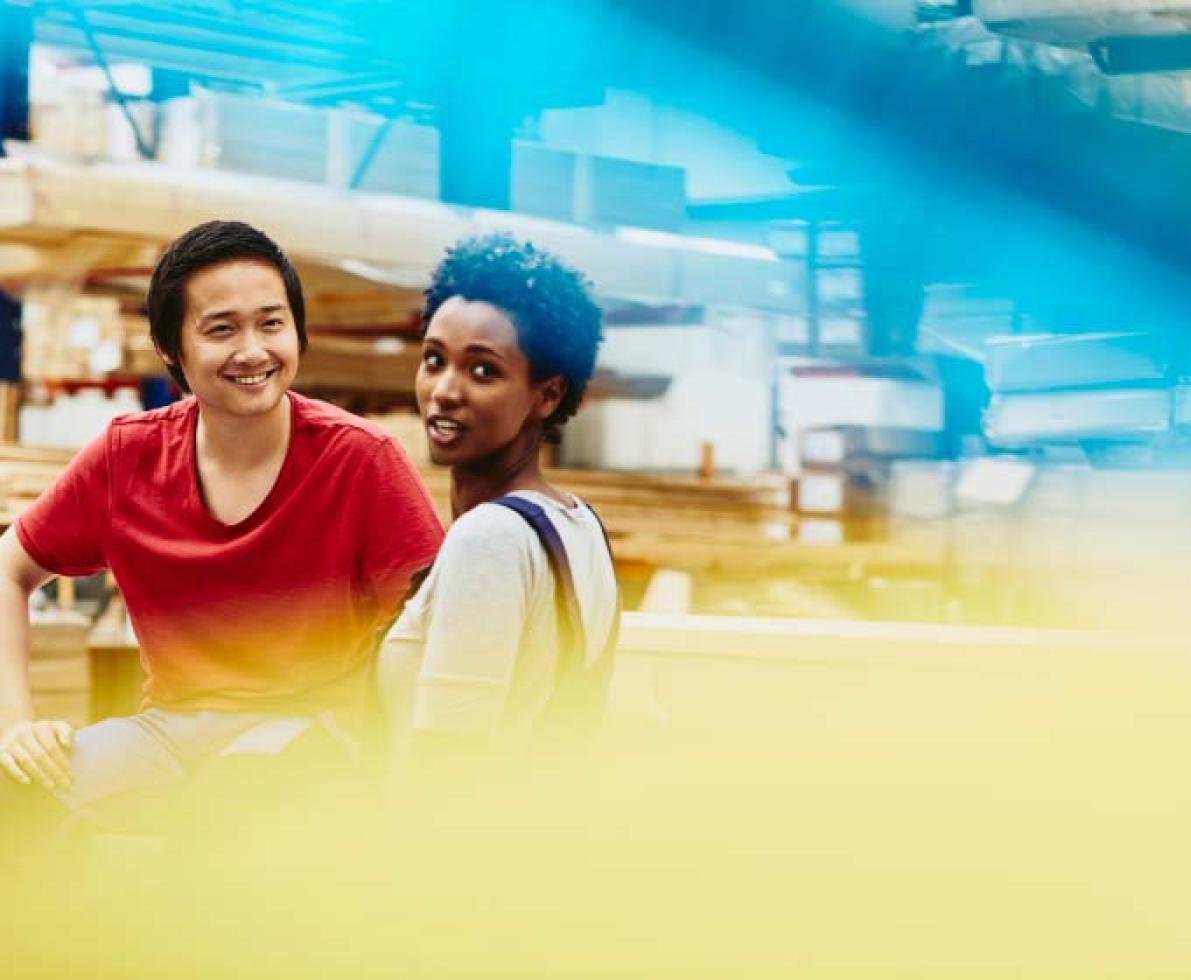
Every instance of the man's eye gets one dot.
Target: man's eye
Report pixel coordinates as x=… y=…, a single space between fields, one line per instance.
x=273 y=322
x=220 y=329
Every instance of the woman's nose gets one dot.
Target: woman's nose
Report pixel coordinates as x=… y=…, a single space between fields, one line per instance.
x=446 y=389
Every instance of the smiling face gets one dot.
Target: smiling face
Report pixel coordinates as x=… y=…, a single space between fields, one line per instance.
x=239 y=344
x=474 y=387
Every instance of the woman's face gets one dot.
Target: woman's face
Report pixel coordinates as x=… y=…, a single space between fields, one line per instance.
x=473 y=384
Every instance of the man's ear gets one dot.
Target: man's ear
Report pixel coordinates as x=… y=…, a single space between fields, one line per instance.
x=172 y=364
x=550 y=394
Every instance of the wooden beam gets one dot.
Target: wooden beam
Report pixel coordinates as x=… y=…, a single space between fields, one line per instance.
x=404 y=236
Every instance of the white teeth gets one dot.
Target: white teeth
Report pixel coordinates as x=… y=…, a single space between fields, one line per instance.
x=446 y=425
x=249 y=379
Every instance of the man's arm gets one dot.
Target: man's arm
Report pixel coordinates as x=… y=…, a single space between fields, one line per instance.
x=29 y=749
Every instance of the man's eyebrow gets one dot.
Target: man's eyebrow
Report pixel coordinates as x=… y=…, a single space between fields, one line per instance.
x=232 y=314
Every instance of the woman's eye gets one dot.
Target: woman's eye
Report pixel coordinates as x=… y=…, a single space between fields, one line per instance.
x=220 y=330
x=432 y=359
x=275 y=322
x=485 y=372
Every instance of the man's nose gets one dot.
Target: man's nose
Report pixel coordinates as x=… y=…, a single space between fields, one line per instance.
x=253 y=346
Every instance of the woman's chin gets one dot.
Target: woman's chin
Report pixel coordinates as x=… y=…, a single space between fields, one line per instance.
x=446 y=455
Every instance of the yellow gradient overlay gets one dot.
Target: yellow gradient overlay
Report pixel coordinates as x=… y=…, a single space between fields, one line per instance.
x=992 y=807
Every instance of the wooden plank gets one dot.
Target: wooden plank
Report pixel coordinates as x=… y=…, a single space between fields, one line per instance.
x=669 y=522
x=10 y=403
x=61 y=636
x=45 y=455
x=50 y=200
x=117 y=679
x=59 y=674
x=669 y=591
x=667 y=664
x=346 y=364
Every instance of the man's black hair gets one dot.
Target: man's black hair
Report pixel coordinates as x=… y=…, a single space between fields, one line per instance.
x=559 y=325
x=205 y=245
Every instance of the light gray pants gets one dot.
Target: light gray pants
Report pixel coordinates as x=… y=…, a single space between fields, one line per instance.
x=159 y=748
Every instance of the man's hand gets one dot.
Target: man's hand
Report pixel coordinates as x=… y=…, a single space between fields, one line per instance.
x=38 y=750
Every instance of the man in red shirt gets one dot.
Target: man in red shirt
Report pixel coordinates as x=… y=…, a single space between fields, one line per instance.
x=260 y=540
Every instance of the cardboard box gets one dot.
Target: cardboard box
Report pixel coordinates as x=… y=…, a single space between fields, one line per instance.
x=828 y=531
x=262 y=136
x=828 y=447
x=407 y=161
x=1021 y=419
x=1046 y=361
x=543 y=181
x=66 y=335
x=816 y=402
x=613 y=191
x=850 y=493
x=596 y=190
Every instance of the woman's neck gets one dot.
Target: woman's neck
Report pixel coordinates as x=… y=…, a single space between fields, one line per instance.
x=516 y=468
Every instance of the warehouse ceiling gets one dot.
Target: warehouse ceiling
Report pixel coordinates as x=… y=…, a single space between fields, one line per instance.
x=964 y=126
x=974 y=73
x=394 y=54
x=957 y=68
x=265 y=45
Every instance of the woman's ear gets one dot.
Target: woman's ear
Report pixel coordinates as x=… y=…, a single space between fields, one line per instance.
x=550 y=394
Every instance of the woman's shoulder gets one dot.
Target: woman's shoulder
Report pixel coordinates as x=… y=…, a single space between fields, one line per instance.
x=488 y=525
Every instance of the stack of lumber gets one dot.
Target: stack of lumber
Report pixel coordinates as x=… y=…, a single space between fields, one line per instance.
x=24 y=473
x=675 y=522
x=358 y=364
x=685 y=522
x=74 y=336
x=10 y=403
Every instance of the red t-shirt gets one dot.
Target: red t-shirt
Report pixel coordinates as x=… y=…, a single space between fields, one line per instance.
x=277 y=612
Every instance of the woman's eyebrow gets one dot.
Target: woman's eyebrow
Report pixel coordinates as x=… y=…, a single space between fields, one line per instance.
x=484 y=349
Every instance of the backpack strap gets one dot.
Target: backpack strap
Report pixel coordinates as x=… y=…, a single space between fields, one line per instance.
x=572 y=651
x=577 y=704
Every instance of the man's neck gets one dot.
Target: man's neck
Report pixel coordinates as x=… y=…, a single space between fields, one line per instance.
x=238 y=443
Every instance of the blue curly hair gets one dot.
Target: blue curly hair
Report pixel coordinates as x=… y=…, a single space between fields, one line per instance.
x=559 y=325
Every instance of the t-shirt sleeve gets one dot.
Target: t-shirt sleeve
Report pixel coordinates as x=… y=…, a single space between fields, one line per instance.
x=480 y=596
x=65 y=530
x=403 y=532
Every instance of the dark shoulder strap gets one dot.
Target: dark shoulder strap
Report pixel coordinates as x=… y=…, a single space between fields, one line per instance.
x=577 y=705
x=570 y=621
